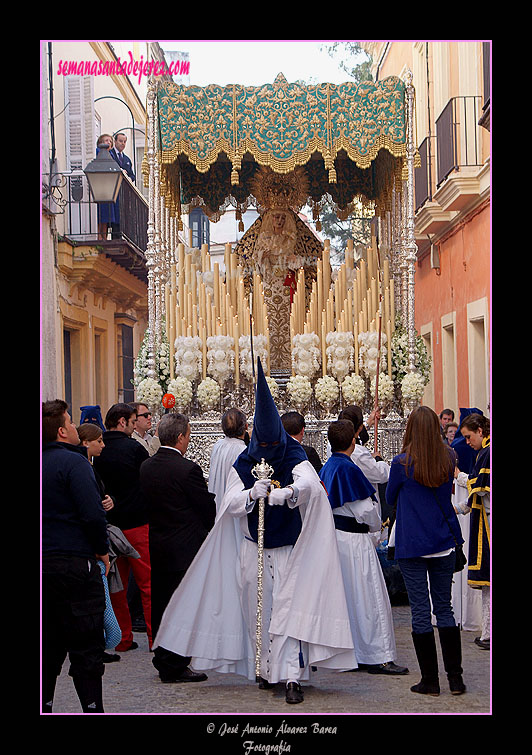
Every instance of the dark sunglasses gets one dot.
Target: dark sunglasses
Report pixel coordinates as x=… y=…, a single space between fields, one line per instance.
x=146 y=414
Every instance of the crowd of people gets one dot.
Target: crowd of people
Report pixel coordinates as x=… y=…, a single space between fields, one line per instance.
x=268 y=570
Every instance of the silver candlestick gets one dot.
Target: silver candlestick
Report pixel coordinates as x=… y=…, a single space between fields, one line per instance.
x=262 y=471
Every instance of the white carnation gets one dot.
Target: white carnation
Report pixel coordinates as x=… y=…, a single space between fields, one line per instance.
x=412 y=386
x=326 y=390
x=220 y=357
x=181 y=389
x=386 y=390
x=208 y=393
x=368 y=352
x=272 y=385
x=299 y=389
x=339 y=353
x=188 y=357
x=149 y=392
x=306 y=354
x=354 y=389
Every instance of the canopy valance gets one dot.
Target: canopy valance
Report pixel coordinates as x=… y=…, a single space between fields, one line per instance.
x=350 y=138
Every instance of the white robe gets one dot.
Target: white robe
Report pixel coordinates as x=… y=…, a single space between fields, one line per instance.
x=206 y=616
x=370 y=611
x=223 y=455
x=466 y=601
x=377 y=472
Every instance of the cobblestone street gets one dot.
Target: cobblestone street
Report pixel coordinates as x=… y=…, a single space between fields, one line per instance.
x=132 y=686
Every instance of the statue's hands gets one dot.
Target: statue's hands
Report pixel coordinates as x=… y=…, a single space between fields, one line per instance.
x=278 y=496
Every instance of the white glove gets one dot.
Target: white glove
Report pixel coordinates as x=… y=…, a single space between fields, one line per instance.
x=279 y=495
x=260 y=489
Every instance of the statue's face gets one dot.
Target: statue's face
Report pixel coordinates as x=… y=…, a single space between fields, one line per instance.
x=278 y=221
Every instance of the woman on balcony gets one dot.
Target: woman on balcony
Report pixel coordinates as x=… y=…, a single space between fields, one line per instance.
x=107 y=212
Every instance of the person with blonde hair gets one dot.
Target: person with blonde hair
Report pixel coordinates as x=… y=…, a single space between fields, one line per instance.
x=426 y=534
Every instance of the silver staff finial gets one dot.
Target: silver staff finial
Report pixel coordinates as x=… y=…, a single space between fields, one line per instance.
x=262 y=471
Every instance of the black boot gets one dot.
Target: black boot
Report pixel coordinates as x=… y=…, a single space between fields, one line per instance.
x=90 y=693
x=425 y=647
x=451 y=650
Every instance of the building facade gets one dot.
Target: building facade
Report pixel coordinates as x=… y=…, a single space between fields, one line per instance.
x=453 y=211
x=93 y=285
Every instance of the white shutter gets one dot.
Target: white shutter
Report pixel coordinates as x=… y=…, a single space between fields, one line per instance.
x=80 y=150
x=80 y=128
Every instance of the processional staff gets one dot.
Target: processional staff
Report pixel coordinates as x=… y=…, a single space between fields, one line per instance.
x=379 y=315
x=262 y=471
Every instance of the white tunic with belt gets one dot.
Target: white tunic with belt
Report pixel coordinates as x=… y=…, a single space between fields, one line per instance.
x=211 y=616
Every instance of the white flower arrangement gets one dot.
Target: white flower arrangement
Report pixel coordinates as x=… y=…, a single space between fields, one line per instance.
x=208 y=393
x=339 y=353
x=299 y=388
x=306 y=355
x=386 y=387
x=326 y=390
x=260 y=349
x=188 y=357
x=220 y=357
x=400 y=357
x=368 y=351
x=181 y=389
x=412 y=386
x=140 y=368
x=149 y=392
x=354 y=389
x=163 y=362
x=274 y=388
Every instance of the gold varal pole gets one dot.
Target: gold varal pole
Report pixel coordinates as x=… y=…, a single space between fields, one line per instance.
x=261 y=471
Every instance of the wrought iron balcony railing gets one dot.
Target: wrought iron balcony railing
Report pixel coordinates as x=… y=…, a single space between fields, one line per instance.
x=458 y=136
x=423 y=176
x=69 y=194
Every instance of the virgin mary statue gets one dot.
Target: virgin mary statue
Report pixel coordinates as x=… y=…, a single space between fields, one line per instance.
x=276 y=246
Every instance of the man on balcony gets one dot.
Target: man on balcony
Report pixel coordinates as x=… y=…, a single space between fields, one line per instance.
x=118 y=154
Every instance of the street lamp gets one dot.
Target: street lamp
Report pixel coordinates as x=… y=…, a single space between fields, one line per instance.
x=104 y=176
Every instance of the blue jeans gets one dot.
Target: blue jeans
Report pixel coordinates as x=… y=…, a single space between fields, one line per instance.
x=424 y=575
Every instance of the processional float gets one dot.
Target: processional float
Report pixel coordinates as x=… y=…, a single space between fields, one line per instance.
x=325 y=337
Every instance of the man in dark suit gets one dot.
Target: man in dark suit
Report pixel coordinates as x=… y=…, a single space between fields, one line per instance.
x=118 y=154
x=294 y=424
x=181 y=513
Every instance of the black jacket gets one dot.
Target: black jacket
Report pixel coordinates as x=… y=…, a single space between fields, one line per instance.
x=181 y=510
x=118 y=465
x=73 y=518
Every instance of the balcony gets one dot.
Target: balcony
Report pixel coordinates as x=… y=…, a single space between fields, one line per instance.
x=453 y=175
x=127 y=248
x=423 y=177
x=457 y=135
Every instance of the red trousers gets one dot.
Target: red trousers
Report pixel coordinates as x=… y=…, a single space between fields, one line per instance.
x=138 y=537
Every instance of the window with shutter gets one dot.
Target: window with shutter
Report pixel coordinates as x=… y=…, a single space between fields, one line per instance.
x=80 y=150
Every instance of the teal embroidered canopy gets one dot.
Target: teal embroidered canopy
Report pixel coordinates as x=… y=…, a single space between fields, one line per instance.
x=350 y=140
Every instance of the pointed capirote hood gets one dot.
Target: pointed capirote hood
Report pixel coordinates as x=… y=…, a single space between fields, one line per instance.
x=269 y=439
